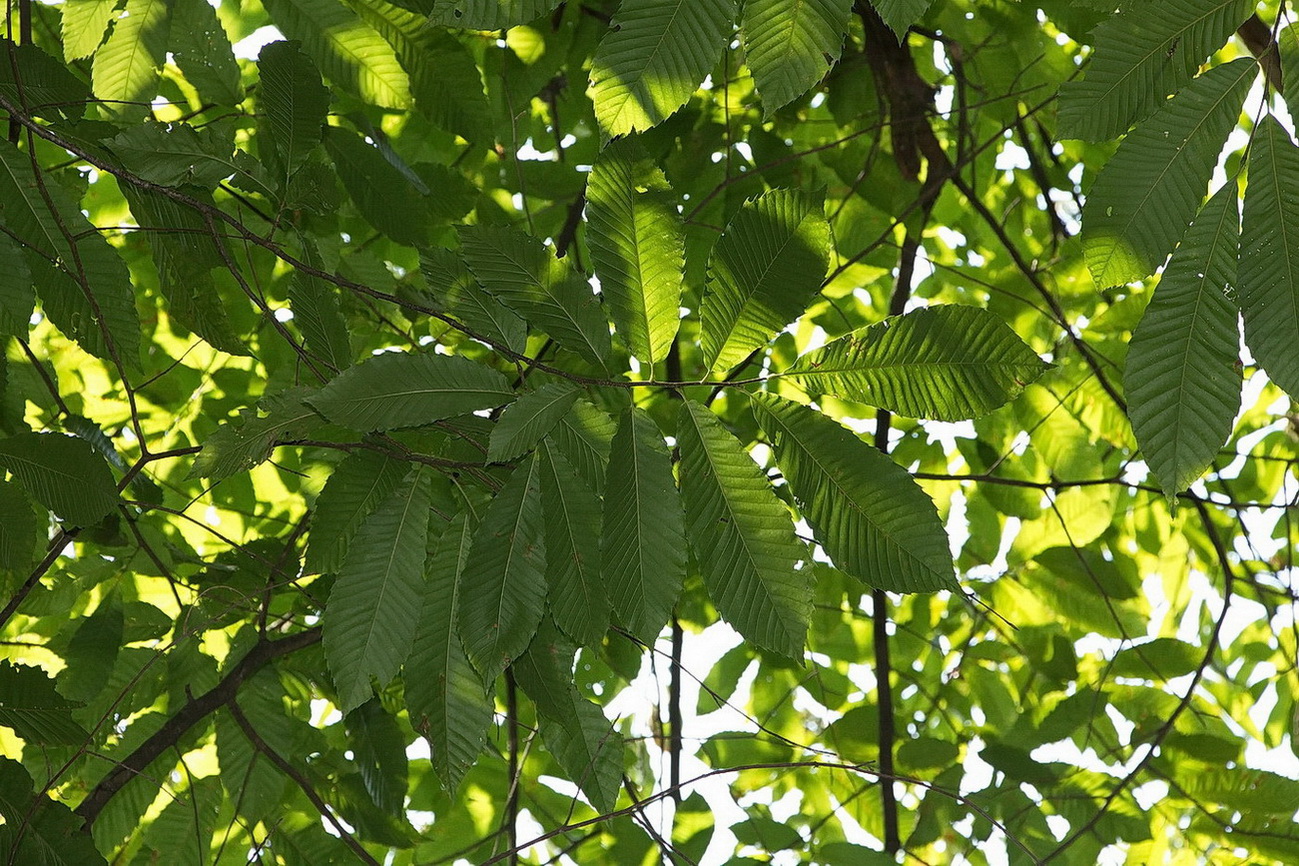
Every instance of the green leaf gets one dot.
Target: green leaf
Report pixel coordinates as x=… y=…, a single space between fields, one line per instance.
x=528 y=419
x=525 y=275
x=44 y=87
x=185 y=255
x=362 y=482
x=36 y=712
x=444 y=694
x=294 y=100
x=1269 y=255
x=202 y=50
x=38 y=829
x=1144 y=52
x=1181 y=378
x=489 y=14
x=790 y=47
x=382 y=194
x=17 y=298
x=316 y=313
x=379 y=751
x=584 y=437
x=574 y=729
x=871 y=517
x=445 y=81
x=400 y=389
x=63 y=473
x=578 y=602
x=125 y=72
x=638 y=245
x=1163 y=658
x=92 y=652
x=247 y=774
x=345 y=49
x=502 y=588
x=763 y=272
x=1147 y=194
x=946 y=362
x=374 y=607
x=899 y=15
x=18 y=531
x=458 y=292
x=239 y=446
x=84 y=24
x=653 y=58
x=643 y=542
x=176 y=154
x=742 y=536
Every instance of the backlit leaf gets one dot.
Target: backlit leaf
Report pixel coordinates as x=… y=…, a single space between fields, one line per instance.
x=63 y=473
x=790 y=47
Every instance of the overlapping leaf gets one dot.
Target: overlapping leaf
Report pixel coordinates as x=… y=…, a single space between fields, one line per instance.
x=790 y=47
x=375 y=604
x=489 y=14
x=578 y=601
x=1147 y=194
x=584 y=437
x=345 y=49
x=1143 y=53
x=456 y=291
x=239 y=446
x=1182 y=382
x=946 y=362
x=84 y=24
x=402 y=389
x=763 y=272
x=125 y=72
x=34 y=710
x=362 y=482
x=525 y=275
x=502 y=588
x=17 y=298
x=742 y=536
x=529 y=418
x=444 y=694
x=638 y=245
x=63 y=473
x=654 y=56
x=901 y=14
x=383 y=195
x=203 y=52
x=644 y=529
x=294 y=100
x=1269 y=255
x=866 y=511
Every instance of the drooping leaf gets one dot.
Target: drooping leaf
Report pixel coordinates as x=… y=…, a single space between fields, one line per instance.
x=359 y=485
x=63 y=473
x=1147 y=194
x=400 y=389
x=945 y=362
x=871 y=517
x=38 y=829
x=901 y=14
x=790 y=47
x=294 y=99
x=763 y=272
x=1269 y=255
x=502 y=588
x=444 y=694
x=246 y=772
x=316 y=313
x=444 y=80
x=92 y=652
x=574 y=729
x=529 y=418
x=176 y=154
x=584 y=437
x=643 y=541
x=84 y=24
x=202 y=50
x=125 y=72
x=654 y=56
x=638 y=244
x=347 y=50
x=239 y=446
x=18 y=531
x=379 y=751
x=374 y=607
x=525 y=275
x=742 y=536
x=36 y=712
x=39 y=83
x=1181 y=379
x=489 y=14
x=457 y=291
x=381 y=193
x=17 y=298
x=1144 y=52
x=578 y=602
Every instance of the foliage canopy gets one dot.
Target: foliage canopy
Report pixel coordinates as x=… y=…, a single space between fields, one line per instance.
x=678 y=431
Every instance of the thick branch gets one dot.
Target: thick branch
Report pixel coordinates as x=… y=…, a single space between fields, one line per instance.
x=194 y=711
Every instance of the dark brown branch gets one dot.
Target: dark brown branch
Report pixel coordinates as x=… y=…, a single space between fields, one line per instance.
x=193 y=711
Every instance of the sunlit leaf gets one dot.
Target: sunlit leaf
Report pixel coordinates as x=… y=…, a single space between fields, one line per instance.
x=791 y=47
